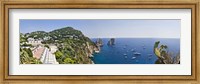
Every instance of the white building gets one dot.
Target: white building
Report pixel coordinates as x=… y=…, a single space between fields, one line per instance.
x=34 y=41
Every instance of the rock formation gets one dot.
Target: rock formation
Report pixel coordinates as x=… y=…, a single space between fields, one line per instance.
x=165 y=57
x=111 y=42
x=99 y=42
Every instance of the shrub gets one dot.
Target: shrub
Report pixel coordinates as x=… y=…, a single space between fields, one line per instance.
x=58 y=54
x=28 y=50
x=69 y=61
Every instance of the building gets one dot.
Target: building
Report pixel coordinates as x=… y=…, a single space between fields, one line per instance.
x=34 y=42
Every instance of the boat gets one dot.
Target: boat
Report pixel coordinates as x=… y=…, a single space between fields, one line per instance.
x=125 y=57
x=137 y=53
x=133 y=57
x=125 y=54
x=143 y=46
x=124 y=47
x=132 y=50
x=149 y=54
x=149 y=58
x=97 y=51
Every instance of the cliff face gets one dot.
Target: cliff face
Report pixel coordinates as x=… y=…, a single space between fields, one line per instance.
x=91 y=49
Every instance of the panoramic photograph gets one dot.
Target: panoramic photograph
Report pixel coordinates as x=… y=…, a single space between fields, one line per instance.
x=100 y=41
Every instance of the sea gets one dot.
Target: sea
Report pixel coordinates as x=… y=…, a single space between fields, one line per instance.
x=133 y=50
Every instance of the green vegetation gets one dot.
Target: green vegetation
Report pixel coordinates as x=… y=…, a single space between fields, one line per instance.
x=73 y=46
x=36 y=34
x=26 y=45
x=164 y=56
x=68 y=61
x=26 y=57
x=28 y=50
x=47 y=46
x=22 y=38
x=58 y=54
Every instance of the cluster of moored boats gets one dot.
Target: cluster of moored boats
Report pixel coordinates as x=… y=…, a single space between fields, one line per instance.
x=135 y=53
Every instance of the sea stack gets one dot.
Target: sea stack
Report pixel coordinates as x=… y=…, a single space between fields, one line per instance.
x=111 y=41
x=99 y=42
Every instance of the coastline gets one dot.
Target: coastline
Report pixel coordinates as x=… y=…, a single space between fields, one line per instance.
x=115 y=54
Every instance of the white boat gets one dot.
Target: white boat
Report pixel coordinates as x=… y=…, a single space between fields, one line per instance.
x=149 y=58
x=97 y=51
x=133 y=58
x=132 y=50
x=124 y=47
x=137 y=53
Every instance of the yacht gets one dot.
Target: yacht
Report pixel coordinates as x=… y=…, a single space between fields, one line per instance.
x=133 y=58
x=125 y=57
x=137 y=53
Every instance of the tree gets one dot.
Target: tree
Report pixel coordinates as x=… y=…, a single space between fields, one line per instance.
x=26 y=59
x=22 y=38
x=69 y=61
x=47 y=46
x=58 y=54
x=28 y=50
x=27 y=45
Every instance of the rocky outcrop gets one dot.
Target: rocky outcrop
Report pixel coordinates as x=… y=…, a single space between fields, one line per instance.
x=99 y=42
x=165 y=57
x=92 y=49
x=111 y=42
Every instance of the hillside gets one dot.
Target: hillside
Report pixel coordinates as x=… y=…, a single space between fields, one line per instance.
x=36 y=34
x=73 y=46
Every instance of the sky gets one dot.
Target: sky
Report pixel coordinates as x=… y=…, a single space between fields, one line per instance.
x=107 y=28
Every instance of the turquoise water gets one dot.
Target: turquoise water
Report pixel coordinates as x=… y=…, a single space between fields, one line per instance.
x=123 y=50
